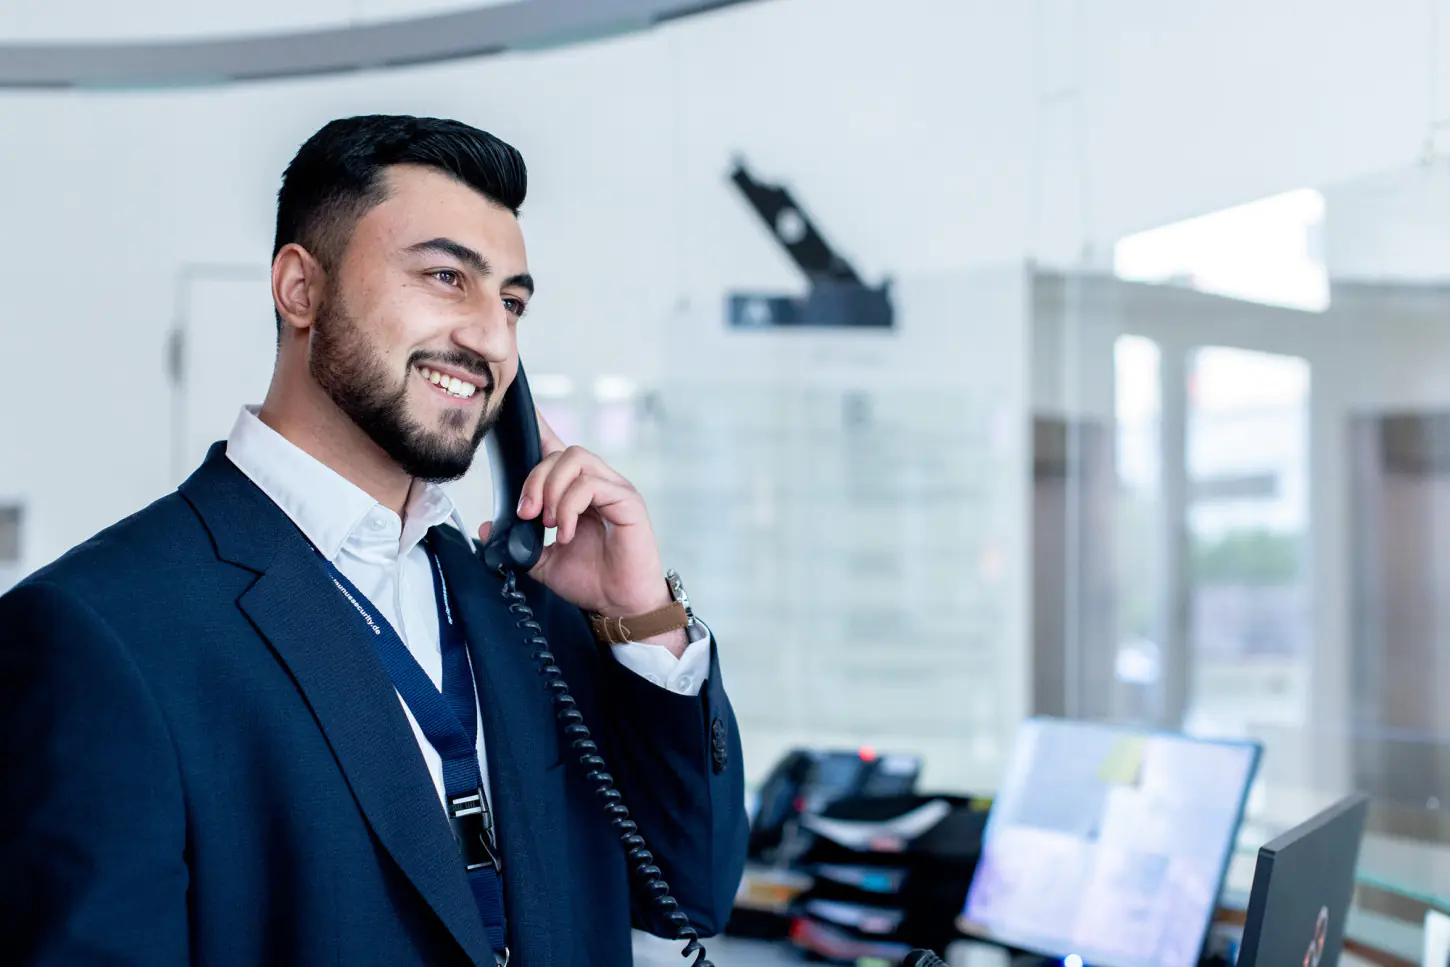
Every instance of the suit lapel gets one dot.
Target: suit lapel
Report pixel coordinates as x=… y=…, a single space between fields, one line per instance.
x=297 y=609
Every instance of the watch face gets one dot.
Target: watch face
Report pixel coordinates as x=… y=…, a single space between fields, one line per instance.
x=677 y=591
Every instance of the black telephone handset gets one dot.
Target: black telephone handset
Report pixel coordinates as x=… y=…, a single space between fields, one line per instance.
x=514 y=449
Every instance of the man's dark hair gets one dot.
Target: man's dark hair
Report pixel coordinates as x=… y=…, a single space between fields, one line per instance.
x=337 y=175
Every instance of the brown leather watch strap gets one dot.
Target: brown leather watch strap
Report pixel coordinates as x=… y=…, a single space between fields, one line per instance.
x=635 y=627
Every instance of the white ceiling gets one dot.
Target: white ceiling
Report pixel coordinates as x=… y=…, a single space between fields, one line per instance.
x=172 y=43
x=69 y=21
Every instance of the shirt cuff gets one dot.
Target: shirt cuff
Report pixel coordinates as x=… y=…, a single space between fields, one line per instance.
x=685 y=675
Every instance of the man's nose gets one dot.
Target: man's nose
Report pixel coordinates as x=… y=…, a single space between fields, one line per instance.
x=487 y=333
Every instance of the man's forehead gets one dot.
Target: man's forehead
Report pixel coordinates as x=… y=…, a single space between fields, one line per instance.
x=416 y=178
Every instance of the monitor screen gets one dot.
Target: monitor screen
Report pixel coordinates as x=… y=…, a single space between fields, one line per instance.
x=1109 y=844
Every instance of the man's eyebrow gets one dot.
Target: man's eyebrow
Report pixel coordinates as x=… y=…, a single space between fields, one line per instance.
x=447 y=246
x=470 y=258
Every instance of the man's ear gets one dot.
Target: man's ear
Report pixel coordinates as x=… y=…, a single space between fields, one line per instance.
x=298 y=281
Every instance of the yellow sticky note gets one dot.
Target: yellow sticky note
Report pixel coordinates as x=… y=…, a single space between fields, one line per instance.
x=1124 y=761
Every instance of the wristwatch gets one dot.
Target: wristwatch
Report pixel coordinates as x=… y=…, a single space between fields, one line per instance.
x=673 y=616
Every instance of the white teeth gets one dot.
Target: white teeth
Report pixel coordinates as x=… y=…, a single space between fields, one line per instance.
x=449 y=384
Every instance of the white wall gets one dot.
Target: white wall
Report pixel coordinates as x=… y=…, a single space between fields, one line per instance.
x=1390 y=225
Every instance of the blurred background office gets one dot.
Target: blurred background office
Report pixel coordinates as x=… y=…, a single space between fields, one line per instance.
x=1155 y=426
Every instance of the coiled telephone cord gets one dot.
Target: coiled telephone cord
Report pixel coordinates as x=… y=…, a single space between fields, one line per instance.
x=571 y=723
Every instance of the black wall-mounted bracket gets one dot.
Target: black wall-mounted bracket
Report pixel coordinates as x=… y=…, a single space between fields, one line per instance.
x=837 y=297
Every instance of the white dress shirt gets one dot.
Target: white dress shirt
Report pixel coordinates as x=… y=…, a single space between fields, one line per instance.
x=382 y=554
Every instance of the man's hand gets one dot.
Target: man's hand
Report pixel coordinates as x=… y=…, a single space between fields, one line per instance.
x=604 y=557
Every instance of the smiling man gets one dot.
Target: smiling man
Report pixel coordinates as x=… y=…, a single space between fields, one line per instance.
x=254 y=723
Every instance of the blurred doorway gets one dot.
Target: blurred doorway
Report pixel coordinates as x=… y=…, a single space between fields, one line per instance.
x=1245 y=514
x=1399 y=721
x=222 y=350
x=1072 y=626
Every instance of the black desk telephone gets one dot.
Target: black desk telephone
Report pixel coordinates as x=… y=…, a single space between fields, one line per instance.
x=514 y=449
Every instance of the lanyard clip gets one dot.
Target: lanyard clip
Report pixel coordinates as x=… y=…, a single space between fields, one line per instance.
x=472 y=826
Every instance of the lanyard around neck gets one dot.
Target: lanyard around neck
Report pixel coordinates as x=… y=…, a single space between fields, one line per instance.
x=448 y=717
x=449 y=720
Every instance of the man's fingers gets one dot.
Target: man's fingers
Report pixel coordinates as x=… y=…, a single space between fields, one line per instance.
x=573 y=502
x=531 y=499
x=485 y=529
x=567 y=468
x=554 y=475
x=588 y=462
x=609 y=500
x=569 y=465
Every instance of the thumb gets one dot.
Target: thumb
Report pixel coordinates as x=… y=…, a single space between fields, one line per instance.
x=540 y=571
x=484 y=530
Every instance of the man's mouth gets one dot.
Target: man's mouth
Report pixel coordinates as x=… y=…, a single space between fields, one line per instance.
x=459 y=389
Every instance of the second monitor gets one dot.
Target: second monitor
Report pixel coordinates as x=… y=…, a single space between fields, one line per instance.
x=1109 y=844
x=1303 y=886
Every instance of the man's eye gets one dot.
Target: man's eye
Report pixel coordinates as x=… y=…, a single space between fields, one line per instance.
x=446 y=276
x=515 y=306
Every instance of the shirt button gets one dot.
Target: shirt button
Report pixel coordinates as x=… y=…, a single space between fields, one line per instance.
x=683 y=683
x=379 y=523
x=654 y=680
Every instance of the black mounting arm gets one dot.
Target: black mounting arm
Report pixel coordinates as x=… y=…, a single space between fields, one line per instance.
x=838 y=297
x=793 y=229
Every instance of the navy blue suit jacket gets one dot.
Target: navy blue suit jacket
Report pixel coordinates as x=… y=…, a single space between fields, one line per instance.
x=203 y=762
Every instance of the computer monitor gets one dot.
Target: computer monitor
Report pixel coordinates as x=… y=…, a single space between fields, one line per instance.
x=1109 y=844
x=1303 y=885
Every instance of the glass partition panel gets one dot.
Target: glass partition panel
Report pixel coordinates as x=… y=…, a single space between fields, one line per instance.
x=1275 y=380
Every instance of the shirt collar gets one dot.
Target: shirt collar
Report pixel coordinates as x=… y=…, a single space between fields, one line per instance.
x=329 y=509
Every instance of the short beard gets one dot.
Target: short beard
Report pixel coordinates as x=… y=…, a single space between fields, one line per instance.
x=343 y=363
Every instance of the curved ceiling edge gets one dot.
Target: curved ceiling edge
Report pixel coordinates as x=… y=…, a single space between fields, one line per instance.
x=527 y=24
